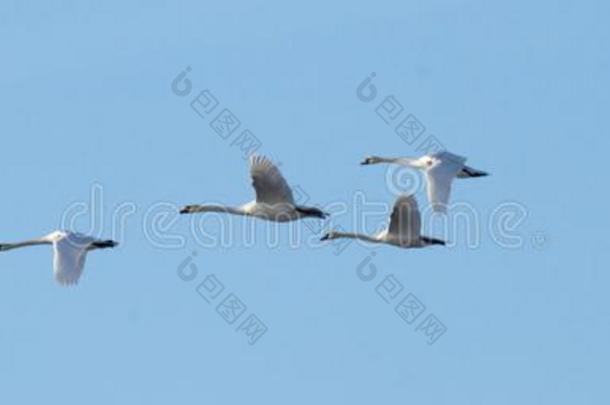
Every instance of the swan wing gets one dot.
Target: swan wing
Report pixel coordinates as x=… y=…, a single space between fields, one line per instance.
x=440 y=176
x=70 y=253
x=405 y=221
x=270 y=186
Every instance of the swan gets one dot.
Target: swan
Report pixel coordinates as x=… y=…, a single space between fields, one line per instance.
x=274 y=198
x=70 y=251
x=403 y=231
x=440 y=169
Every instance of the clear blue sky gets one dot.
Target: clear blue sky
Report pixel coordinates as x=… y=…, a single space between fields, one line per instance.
x=520 y=87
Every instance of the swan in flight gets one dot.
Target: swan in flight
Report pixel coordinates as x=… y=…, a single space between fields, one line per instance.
x=70 y=251
x=403 y=231
x=440 y=169
x=274 y=199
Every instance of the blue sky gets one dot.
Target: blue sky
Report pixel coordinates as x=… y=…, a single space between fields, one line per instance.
x=520 y=88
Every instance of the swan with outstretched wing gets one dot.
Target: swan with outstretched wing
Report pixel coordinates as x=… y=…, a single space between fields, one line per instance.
x=403 y=231
x=70 y=252
x=440 y=170
x=274 y=199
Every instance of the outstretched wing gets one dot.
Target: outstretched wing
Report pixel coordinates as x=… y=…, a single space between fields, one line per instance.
x=270 y=186
x=440 y=177
x=70 y=253
x=405 y=221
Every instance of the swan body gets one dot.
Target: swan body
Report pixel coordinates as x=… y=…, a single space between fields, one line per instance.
x=404 y=230
x=70 y=252
x=274 y=198
x=440 y=170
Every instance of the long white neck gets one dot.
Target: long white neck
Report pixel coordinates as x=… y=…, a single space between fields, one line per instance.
x=35 y=242
x=221 y=209
x=398 y=161
x=358 y=236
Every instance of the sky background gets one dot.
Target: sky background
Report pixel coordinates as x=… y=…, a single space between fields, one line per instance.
x=86 y=103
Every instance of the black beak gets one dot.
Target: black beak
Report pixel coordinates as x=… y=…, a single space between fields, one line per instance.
x=185 y=210
x=325 y=238
x=365 y=162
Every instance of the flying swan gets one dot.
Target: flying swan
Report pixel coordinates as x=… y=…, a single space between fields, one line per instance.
x=274 y=199
x=70 y=251
x=403 y=231
x=440 y=169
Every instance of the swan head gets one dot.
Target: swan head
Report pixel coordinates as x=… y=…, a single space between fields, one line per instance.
x=189 y=209
x=55 y=236
x=332 y=235
x=371 y=160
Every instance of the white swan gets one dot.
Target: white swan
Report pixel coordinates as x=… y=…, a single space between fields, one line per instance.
x=274 y=199
x=404 y=230
x=70 y=251
x=440 y=169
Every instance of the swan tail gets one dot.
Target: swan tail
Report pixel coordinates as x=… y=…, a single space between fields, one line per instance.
x=312 y=212
x=469 y=173
x=105 y=244
x=432 y=241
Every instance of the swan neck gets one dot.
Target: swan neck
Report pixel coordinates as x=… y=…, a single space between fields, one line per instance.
x=389 y=160
x=27 y=243
x=410 y=162
x=222 y=209
x=358 y=236
x=399 y=161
